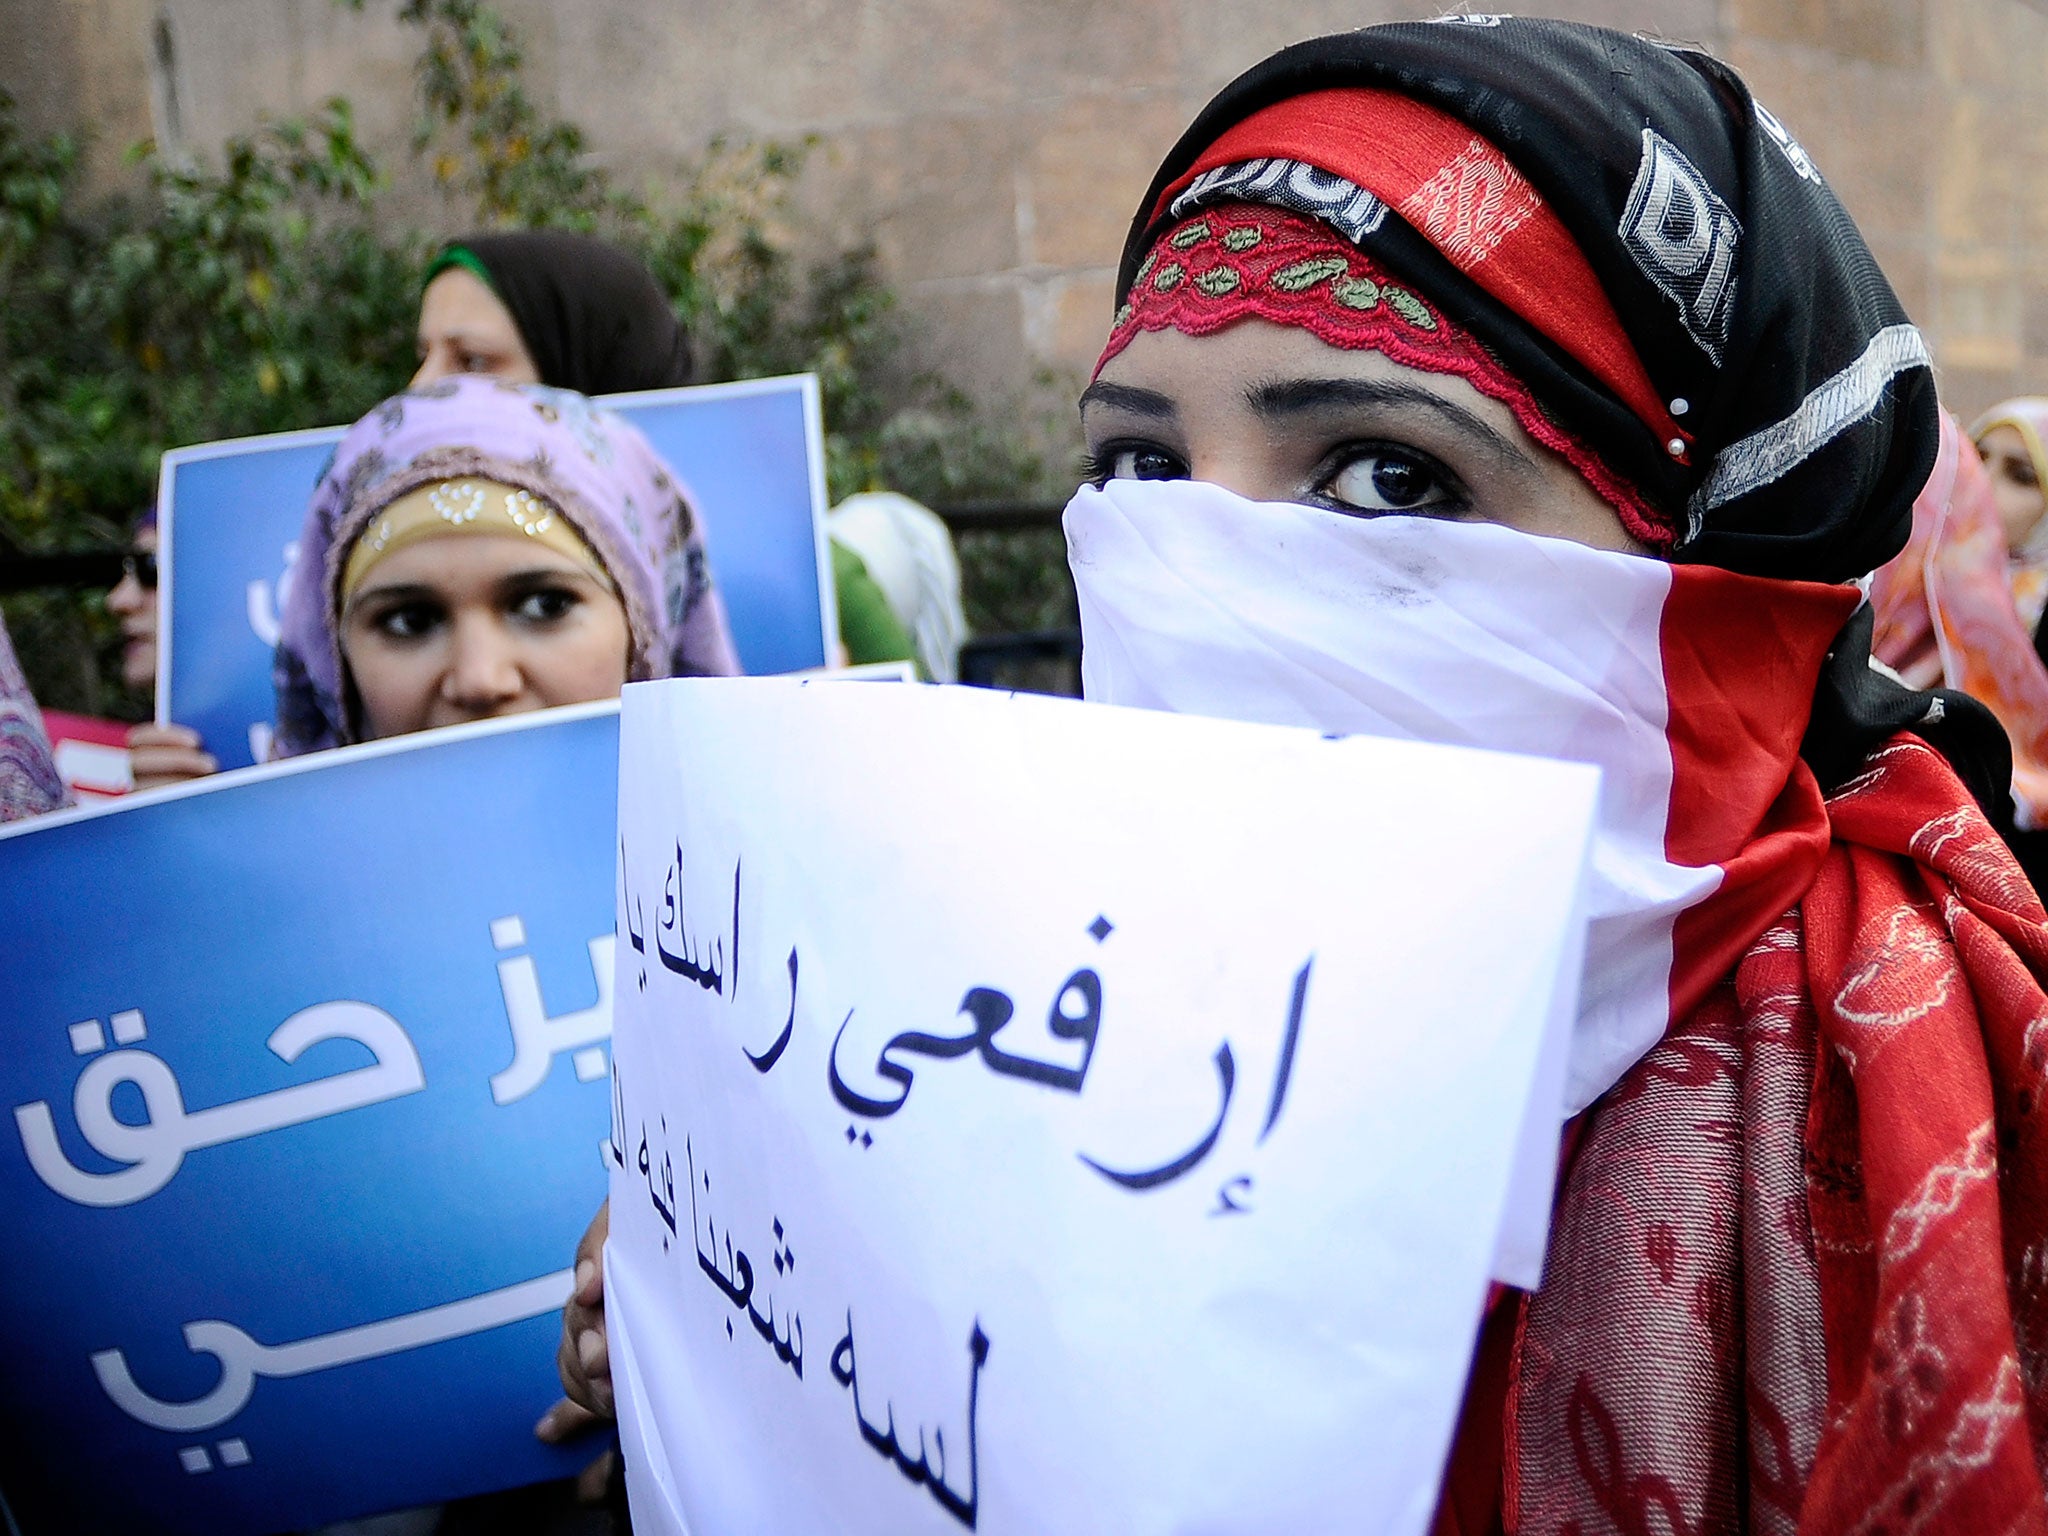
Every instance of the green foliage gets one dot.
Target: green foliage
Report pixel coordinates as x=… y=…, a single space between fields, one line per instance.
x=270 y=291
x=487 y=139
x=1016 y=581
x=249 y=299
x=214 y=303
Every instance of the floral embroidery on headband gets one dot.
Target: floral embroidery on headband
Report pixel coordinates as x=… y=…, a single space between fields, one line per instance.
x=1239 y=261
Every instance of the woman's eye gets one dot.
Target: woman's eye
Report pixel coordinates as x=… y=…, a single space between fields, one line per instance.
x=545 y=606
x=475 y=363
x=1386 y=480
x=1139 y=464
x=407 y=621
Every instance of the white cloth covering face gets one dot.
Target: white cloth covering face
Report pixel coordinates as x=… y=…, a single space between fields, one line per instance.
x=1197 y=601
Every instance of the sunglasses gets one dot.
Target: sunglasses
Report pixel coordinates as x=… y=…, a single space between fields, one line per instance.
x=141 y=564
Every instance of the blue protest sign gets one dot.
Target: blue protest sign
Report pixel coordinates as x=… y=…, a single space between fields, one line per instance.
x=307 y=1071
x=751 y=454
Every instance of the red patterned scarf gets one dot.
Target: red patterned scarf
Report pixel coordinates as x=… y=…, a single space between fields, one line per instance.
x=1798 y=1275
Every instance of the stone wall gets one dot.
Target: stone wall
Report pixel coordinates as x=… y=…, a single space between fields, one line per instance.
x=993 y=149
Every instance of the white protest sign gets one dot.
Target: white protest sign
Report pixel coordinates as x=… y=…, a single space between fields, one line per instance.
x=1037 y=1116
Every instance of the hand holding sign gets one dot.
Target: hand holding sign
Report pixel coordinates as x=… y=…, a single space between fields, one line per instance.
x=583 y=1360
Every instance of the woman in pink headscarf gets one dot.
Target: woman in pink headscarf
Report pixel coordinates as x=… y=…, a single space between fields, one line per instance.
x=1961 y=606
x=2009 y=439
x=478 y=548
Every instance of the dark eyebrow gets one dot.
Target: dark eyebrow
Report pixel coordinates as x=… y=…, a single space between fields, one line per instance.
x=1291 y=397
x=463 y=335
x=511 y=581
x=1139 y=402
x=541 y=576
x=404 y=592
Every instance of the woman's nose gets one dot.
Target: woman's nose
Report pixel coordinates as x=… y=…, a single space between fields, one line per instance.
x=483 y=674
x=1242 y=471
x=126 y=597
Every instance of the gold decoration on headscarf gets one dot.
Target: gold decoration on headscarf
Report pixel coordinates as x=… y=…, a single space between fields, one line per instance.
x=469 y=504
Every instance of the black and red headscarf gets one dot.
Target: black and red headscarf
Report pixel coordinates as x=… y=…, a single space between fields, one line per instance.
x=1798 y=1276
x=1764 y=336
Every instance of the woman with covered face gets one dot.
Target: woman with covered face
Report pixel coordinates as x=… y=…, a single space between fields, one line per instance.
x=1522 y=385
x=479 y=549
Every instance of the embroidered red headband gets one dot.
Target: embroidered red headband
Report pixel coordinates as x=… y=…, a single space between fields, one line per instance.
x=1243 y=260
x=1460 y=193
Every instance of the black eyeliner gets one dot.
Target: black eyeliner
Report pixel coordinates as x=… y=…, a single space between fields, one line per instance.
x=1098 y=464
x=1344 y=455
